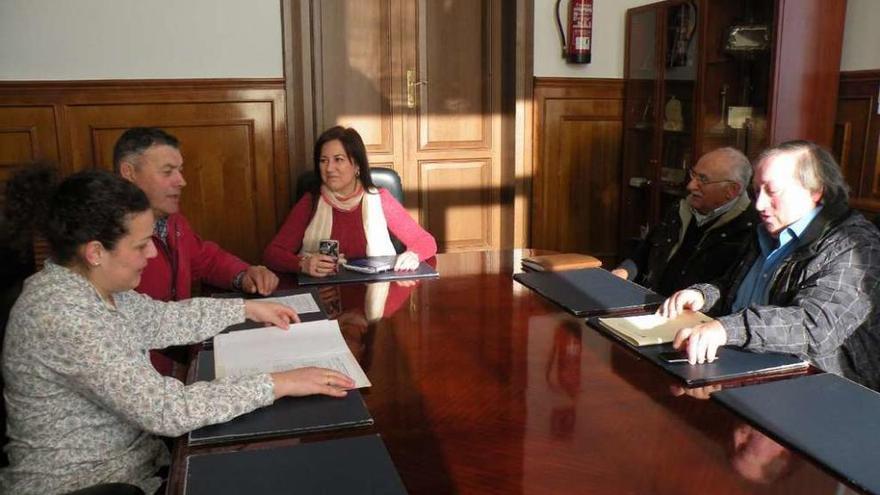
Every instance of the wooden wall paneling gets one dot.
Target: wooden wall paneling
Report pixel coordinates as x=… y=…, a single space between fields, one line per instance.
x=27 y=134
x=233 y=138
x=857 y=137
x=576 y=184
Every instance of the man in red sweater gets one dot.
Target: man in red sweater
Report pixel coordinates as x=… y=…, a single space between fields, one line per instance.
x=151 y=159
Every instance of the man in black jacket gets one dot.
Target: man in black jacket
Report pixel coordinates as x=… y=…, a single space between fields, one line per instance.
x=704 y=234
x=810 y=282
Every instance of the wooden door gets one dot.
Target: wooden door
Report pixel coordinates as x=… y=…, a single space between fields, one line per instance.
x=441 y=132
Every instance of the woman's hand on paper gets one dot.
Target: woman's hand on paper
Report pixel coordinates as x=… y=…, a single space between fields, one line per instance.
x=702 y=340
x=273 y=313
x=406 y=261
x=682 y=300
x=319 y=265
x=621 y=273
x=311 y=381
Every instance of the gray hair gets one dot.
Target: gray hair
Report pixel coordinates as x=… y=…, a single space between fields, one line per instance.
x=740 y=169
x=817 y=170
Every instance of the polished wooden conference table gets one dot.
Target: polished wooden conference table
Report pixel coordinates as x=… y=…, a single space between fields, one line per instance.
x=482 y=386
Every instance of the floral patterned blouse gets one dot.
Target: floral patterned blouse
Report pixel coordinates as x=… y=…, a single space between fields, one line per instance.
x=84 y=403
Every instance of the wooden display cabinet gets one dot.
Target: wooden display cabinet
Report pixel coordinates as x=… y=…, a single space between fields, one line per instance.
x=687 y=92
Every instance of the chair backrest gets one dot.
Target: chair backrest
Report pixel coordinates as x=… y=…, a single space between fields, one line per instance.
x=384 y=178
x=387 y=178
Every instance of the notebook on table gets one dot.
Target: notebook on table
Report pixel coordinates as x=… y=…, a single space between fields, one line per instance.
x=345 y=276
x=286 y=417
x=827 y=417
x=590 y=291
x=651 y=328
x=560 y=262
x=348 y=465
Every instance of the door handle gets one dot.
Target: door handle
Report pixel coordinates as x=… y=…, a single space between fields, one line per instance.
x=411 y=85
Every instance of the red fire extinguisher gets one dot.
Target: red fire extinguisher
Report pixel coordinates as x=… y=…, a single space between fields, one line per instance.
x=580 y=31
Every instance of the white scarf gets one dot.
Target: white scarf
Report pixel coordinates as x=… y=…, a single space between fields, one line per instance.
x=375 y=226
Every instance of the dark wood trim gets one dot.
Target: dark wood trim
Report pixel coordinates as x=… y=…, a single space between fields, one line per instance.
x=860 y=75
x=268 y=82
x=522 y=135
x=599 y=86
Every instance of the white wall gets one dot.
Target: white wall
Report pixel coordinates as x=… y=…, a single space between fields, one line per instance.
x=139 y=39
x=158 y=39
x=861 y=36
x=609 y=29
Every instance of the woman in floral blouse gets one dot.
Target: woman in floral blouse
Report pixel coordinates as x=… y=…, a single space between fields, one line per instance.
x=84 y=403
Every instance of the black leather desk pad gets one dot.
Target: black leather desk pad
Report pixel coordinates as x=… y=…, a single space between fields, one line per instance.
x=827 y=417
x=348 y=465
x=732 y=363
x=288 y=416
x=590 y=291
x=348 y=276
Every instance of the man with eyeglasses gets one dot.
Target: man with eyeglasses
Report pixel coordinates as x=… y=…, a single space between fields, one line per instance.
x=810 y=280
x=704 y=234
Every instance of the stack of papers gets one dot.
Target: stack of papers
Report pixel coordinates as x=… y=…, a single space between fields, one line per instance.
x=272 y=349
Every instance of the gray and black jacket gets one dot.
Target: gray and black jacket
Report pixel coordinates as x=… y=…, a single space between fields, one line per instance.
x=824 y=299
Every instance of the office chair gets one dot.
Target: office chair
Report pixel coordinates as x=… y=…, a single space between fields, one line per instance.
x=384 y=178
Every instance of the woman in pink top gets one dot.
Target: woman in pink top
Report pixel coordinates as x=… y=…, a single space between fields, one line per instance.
x=347 y=207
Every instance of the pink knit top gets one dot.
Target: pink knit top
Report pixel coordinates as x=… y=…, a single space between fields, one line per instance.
x=348 y=228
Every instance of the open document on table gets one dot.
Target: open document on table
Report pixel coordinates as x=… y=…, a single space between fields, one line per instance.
x=301 y=303
x=272 y=349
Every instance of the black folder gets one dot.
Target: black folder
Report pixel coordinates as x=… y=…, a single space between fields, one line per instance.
x=829 y=418
x=287 y=416
x=348 y=465
x=732 y=363
x=348 y=276
x=590 y=291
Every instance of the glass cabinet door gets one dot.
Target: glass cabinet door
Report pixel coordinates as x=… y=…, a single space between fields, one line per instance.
x=640 y=121
x=680 y=63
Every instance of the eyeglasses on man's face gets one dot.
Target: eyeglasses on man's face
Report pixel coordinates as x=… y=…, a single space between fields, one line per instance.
x=703 y=180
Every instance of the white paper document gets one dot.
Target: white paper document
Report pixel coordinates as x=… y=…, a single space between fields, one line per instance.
x=301 y=303
x=272 y=349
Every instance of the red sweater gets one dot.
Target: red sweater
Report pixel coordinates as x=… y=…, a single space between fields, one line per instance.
x=169 y=276
x=348 y=228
